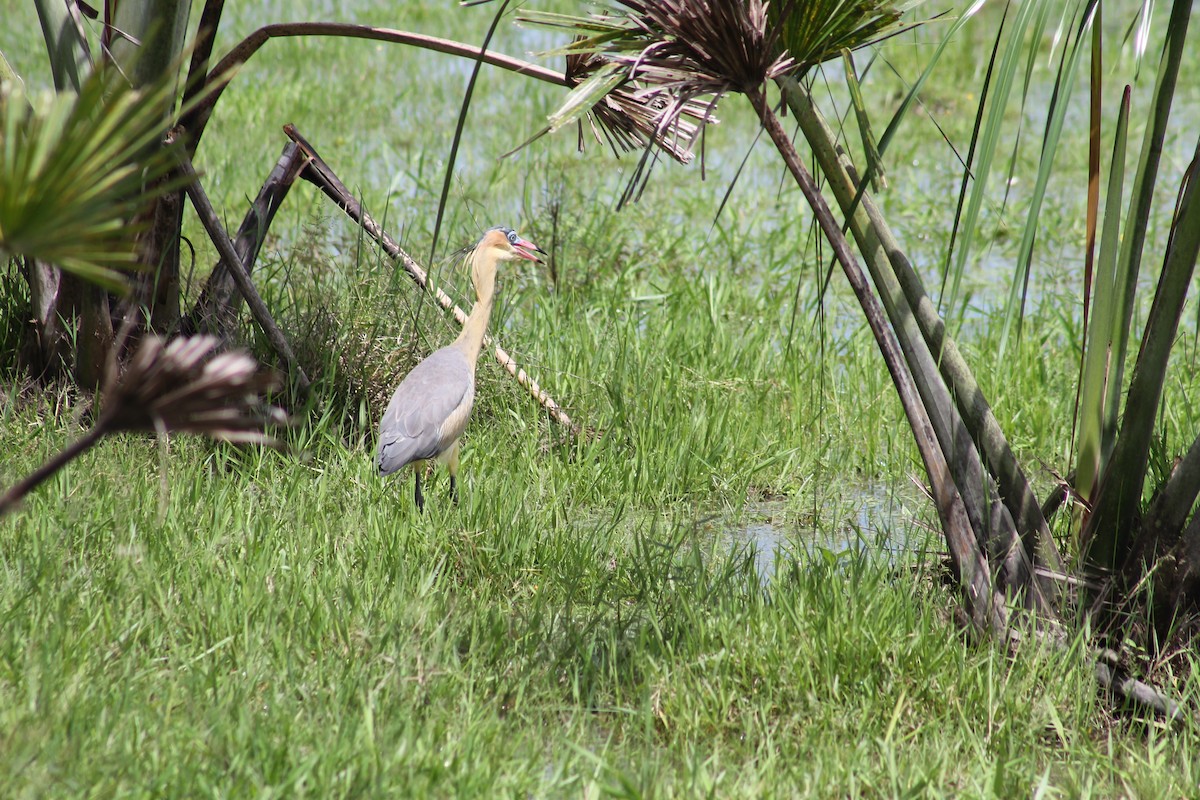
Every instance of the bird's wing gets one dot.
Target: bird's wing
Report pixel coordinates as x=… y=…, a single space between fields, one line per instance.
x=439 y=390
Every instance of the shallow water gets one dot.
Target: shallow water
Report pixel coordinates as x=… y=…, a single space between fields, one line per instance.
x=875 y=521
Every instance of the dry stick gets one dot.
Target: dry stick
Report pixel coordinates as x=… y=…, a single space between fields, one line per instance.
x=258 y=309
x=319 y=173
x=986 y=606
x=217 y=306
x=1137 y=692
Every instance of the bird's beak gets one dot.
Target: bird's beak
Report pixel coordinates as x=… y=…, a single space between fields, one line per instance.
x=526 y=249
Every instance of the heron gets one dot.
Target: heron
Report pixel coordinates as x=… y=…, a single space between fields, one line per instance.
x=430 y=408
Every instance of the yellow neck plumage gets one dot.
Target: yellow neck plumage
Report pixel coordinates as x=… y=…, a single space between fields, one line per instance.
x=483 y=275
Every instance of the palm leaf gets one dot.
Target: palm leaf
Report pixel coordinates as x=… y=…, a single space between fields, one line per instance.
x=76 y=168
x=1097 y=417
x=815 y=32
x=666 y=63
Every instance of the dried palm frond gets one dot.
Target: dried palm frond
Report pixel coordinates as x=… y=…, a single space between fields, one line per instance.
x=603 y=94
x=180 y=386
x=626 y=121
x=705 y=46
x=658 y=68
x=175 y=386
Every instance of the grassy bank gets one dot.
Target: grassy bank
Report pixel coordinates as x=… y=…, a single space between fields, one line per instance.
x=212 y=621
x=231 y=622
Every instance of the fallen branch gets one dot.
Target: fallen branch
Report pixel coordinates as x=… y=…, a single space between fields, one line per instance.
x=217 y=306
x=318 y=172
x=258 y=309
x=1135 y=691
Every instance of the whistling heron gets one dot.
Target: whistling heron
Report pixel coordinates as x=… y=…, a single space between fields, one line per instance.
x=430 y=408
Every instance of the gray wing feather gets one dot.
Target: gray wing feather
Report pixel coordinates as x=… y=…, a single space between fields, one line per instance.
x=412 y=426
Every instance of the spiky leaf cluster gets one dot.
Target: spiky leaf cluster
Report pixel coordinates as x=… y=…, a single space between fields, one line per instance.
x=655 y=69
x=815 y=31
x=181 y=386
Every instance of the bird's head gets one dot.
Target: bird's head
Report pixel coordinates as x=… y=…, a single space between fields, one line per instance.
x=507 y=245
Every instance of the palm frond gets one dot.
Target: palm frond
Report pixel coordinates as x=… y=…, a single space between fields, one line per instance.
x=174 y=386
x=181 y=386
x=815 y=31
x=76 y=168
x=627 y=120
x=655 y=70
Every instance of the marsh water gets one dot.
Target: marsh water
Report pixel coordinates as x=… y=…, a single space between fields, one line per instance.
x=872 y=522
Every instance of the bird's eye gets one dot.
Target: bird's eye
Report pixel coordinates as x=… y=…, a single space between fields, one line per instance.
x=512 y=237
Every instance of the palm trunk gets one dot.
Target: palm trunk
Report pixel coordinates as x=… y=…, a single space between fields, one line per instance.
x=956 y=393
x=161 y=27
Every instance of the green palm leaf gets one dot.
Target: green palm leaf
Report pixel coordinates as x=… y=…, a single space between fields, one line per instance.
x=76 y=168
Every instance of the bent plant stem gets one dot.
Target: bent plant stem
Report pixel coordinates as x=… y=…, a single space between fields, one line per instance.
x=881 y=250
x=30 y=482
x=216 y=309
x=319 y=173
x=985 y=605
x=245 y=49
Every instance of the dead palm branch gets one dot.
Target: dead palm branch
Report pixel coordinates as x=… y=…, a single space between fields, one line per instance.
x=176 y=386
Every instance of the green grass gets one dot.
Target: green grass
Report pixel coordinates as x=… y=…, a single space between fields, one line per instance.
x=227 y=622
x=285 y=623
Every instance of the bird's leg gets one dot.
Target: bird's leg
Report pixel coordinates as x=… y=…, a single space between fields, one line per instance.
x=420 y=498
x=453 y=465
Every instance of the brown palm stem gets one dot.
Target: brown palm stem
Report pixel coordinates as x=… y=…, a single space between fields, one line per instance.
x=31 y=481
x=243 y=50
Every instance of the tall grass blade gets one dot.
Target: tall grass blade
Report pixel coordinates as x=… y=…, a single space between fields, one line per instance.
x=1096 y=420
x=971 y=149
x=1142 y=190
x=1142 y=37
x=1035 y=35
x=874 y=162
x=1095 y=95
x=909 y=99
x=1110 y=530
x=990 y=143
x=448 y=177
x=1064 y=82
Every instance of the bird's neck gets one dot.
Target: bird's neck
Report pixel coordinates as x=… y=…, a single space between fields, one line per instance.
x=471 y=338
